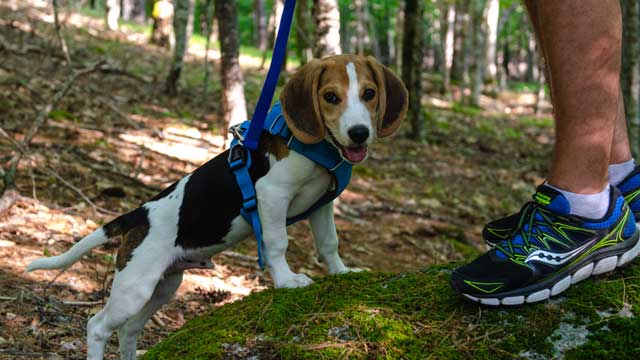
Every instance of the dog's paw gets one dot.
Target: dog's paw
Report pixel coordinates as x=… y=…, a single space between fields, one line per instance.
x=294 y=281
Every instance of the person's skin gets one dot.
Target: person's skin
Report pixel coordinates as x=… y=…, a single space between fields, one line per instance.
x=581 y=43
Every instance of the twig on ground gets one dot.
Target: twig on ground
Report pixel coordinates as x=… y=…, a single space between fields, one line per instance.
x=84 y=197
x=133 y=123
x=238 y=256
x=156 y=319
x=81 y=303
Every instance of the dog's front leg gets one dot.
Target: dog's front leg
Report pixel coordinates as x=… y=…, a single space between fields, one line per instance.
x=326 y=239
x=273 y=202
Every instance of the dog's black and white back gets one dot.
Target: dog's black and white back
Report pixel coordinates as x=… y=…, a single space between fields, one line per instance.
x=199 y=215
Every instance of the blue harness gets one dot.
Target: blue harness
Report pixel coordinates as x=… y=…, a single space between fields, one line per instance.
x=323 y=153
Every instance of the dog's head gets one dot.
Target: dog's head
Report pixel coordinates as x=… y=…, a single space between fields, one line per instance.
x=346 y=99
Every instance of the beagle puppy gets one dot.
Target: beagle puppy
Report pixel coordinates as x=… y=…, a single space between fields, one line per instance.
x=346 y=100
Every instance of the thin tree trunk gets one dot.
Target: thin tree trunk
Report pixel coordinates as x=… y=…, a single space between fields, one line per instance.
x=449 y=23
x=460 y=35
x=400 y=34
x=502 y=54
x=126 y=9
x=493 y=16
x=387 y=51
x=327 y=21
x=138 y=13
x=233 y=100
x=479 y=11
x=208 y=24
x=412 y=57
x=63 y=43
x=540 y=97
x=112 y=14
x=273 y=25
x=192 y=7
x=180 y=18
x=260 y=25
x=303 y=31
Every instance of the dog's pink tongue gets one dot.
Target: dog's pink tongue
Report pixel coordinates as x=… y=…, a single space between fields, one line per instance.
x=355 y=154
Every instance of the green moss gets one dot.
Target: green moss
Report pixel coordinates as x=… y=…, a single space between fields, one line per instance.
x=408 y=315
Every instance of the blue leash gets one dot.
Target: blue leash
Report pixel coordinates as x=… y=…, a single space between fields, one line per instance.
x=246 y=141
x=252 y=136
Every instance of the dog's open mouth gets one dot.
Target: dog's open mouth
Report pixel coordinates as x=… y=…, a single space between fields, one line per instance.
x=354 y=153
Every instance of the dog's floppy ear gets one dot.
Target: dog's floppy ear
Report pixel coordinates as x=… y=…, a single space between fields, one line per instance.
x=393 y=98
x=300 y=107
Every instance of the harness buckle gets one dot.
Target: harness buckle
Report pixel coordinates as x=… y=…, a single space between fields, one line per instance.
x=250 y=204
x=236 y=156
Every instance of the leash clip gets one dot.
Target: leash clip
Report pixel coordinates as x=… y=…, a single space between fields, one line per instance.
x=237 y=132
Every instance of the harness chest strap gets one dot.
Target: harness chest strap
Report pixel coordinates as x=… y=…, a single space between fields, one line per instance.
x=322 y=153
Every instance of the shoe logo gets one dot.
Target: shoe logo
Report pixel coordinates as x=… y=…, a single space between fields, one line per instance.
x=552 y=258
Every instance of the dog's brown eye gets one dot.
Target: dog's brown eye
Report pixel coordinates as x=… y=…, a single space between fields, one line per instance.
x=369 y=94
x=332 y=98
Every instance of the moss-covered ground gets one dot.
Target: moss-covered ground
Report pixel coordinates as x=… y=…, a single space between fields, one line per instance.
x=414 y=316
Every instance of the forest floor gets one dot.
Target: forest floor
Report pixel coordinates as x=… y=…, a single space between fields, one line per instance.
x=116 y=139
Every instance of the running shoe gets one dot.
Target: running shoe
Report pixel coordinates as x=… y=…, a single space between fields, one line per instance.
x=498 y=230
x=549 y=251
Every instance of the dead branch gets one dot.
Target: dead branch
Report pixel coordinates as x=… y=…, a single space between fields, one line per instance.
x=84 y=197
x=41 y=118
x=133 y=123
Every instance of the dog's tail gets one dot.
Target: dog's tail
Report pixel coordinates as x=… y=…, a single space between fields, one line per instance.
x=95 y=239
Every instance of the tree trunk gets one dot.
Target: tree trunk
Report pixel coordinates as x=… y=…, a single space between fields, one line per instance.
x=327 y=22
x=447 y=46
x=387 y=49
x=260 y=25
x=112 y=12
x=233 y=101
x=180 y=30
x=479 y=15
x=192 y=7
x=412 y=56
x=502 y=45
x=208 y=27
x=139 y=13
x=630 y=53
x=399 y=26
x=493 y=16
x=460 y=20
x=303 y=31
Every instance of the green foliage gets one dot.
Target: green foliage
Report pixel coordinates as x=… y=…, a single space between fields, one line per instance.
x=60 y=114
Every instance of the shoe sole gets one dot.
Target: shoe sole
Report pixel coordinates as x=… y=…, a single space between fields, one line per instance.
x=596 y=264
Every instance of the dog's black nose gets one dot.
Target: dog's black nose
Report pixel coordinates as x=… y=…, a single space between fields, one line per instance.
x=359 y=134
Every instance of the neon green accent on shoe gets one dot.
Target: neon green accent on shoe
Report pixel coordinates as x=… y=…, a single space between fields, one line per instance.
x=485 y=287
x=542 y=199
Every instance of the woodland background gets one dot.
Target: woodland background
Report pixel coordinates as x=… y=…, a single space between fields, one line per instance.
x=104 y=103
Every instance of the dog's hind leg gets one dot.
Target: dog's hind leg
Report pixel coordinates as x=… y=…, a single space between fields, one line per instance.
x=132 y=289
x=129 y=332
